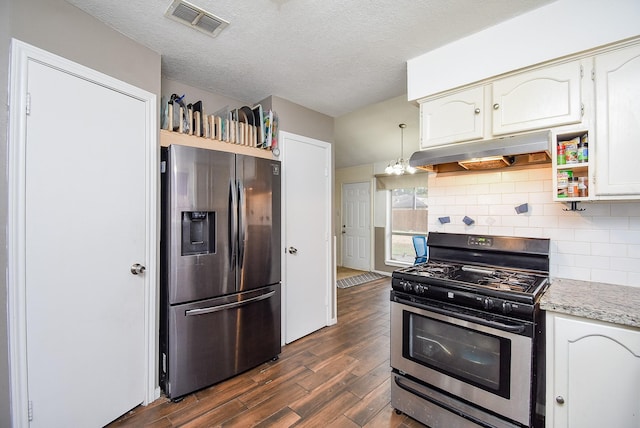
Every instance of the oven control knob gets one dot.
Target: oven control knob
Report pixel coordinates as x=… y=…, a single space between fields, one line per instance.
x=506 y=307
x=420 y=289
x=487 y=304
x=406 y=285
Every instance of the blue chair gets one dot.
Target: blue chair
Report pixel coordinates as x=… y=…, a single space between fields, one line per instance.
x=420 y=245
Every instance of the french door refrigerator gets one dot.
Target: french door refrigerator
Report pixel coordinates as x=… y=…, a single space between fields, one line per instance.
x=220 y=266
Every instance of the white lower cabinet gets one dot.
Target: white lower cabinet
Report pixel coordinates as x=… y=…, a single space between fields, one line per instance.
x=593 y=374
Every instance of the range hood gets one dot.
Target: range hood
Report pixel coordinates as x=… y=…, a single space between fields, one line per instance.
x=487 y=154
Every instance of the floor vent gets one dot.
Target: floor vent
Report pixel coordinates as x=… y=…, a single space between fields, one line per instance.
x=199 y=19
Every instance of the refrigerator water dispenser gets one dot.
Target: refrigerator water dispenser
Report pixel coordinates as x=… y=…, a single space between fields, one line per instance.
x=198 y=232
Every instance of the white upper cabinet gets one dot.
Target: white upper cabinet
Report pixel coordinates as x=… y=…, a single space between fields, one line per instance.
x=617 y=80
x=453 y=118
x=542 y=98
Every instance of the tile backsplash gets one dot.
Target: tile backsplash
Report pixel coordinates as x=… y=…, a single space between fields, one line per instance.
x=601 y=243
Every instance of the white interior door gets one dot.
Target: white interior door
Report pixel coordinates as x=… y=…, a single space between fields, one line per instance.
x=306 y=225
x=356 y=226
x=86 y=223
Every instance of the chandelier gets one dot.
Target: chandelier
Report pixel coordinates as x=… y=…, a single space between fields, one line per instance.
x=400 y=166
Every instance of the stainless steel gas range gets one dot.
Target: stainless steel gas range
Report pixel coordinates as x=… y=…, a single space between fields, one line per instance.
x=467 y=345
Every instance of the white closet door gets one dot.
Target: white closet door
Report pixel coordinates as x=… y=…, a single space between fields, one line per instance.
x=306 y=224
x=85 y=228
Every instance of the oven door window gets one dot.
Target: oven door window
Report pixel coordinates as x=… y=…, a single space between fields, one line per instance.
x=469 y=355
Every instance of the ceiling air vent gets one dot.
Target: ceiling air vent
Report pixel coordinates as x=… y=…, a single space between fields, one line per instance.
x=196 y=18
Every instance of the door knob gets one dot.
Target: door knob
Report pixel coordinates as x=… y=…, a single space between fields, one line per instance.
x=293 y=250
x=137 y=269
x=560 y=399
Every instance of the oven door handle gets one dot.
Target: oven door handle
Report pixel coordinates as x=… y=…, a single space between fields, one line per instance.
x=519 y=328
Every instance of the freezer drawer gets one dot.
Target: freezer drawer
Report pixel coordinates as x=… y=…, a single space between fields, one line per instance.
x=214 y=339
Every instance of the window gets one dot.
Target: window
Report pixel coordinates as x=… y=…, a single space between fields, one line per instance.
x=407 y=217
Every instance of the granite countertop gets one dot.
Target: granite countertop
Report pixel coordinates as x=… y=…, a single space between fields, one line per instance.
x=617 y=304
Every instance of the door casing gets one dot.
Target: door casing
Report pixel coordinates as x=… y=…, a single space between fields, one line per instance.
x=356 y=225
x=313 y=214
x=21 y=54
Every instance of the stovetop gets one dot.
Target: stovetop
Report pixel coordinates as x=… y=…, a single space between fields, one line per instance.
x=513 y=293
x=475 y=275
x=496 y=274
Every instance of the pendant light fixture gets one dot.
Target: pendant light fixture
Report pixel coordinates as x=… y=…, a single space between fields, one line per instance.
x=400 y=166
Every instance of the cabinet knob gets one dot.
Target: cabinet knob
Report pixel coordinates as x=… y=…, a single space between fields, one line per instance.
x=496 y=106
x=560 y=399
x=477 y=111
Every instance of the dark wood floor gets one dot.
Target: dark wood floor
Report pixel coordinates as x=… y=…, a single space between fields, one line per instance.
x=338 y=376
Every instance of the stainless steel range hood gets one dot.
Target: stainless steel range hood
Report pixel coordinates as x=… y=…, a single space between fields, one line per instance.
x=535 y=145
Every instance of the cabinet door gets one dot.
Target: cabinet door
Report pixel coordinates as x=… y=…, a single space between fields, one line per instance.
x=542 y=98
x=451 y=119
x=618 y=123
x=594 y=375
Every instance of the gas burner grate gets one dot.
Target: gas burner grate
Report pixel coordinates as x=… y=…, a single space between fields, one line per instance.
x=434 y=269
x=514 y=281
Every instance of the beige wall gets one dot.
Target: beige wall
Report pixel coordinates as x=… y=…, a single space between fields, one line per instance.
x=60 y=28
x=300 y=120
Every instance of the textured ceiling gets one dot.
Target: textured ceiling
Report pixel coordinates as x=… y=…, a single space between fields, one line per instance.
x=332 y=56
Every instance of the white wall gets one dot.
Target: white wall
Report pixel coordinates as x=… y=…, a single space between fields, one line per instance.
x=601 y=243
x=552 y=31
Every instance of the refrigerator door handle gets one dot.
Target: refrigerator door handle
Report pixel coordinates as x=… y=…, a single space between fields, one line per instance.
x=233 y=224
x=211 y=309
x=241 y=223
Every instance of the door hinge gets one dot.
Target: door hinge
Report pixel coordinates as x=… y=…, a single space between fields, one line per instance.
x=593 y=74
x=581 y=109
x=28 y=106
x=30 y=412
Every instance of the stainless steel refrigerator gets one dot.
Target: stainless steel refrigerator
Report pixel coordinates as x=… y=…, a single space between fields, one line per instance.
x=220 y=266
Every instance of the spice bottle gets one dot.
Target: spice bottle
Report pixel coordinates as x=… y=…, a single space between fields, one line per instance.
x=572 y=189
x=582 y=187
x=563 y=184
x=561 y=157
x=583 y=149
